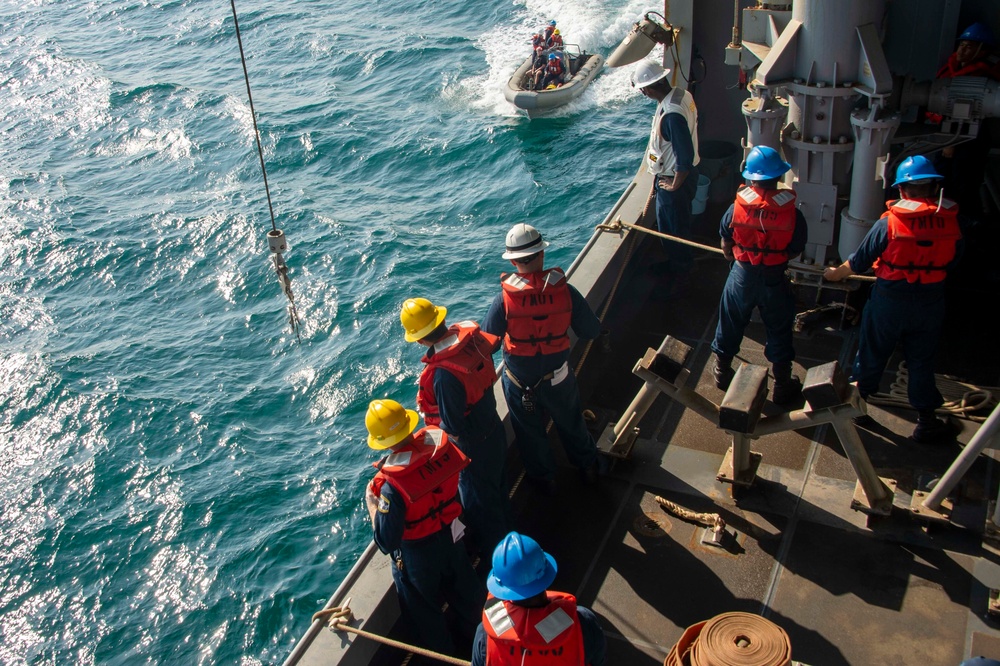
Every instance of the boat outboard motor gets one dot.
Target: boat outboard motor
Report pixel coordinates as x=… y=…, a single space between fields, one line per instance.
x=640 y=41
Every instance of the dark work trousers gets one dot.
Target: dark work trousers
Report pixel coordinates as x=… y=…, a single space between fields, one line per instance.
x=483 y=488
x=766 y=289
x=673 y=216
x=562 y=403
x=435 y=570
x=913 y=320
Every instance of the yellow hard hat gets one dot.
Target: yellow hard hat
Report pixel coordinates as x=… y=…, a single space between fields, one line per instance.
x=419 y=317
x=556 y=31
x=388 y=423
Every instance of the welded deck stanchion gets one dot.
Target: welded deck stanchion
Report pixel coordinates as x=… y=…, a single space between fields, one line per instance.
x=929 y=504
x=873 y=494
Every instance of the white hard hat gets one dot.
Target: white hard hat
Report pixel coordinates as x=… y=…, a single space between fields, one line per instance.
x=648 y=72
x=523 y=240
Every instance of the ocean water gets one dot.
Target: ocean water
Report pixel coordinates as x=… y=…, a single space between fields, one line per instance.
x=181 y=480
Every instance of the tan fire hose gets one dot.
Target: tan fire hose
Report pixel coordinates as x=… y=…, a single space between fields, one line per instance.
x=732 y=638
x=339 y=616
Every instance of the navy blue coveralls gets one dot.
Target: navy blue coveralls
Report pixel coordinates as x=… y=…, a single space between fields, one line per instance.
x=673 y=209
x=594 y=643
x=480 y=435
x=899 y=312
x=435 y=569
x=561 y=400
x=765 y=288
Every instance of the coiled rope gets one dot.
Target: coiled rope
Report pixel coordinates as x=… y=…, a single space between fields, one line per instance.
x=276 y=237
x=340 y=616
x=961 y=399
x=730 y=639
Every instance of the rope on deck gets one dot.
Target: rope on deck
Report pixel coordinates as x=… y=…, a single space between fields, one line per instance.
x=339 y=616
x=961 y=399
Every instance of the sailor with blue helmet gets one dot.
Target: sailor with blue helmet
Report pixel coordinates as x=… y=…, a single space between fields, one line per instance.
x=912 y=247
x=760 y=232
x=524 y=622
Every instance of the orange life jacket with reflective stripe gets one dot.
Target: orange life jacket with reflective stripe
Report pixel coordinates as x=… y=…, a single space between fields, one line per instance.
x=425 y=472
x=922 y=241
x=763 y=225
x=546 y=636
x=539 y=311
x=466 y=352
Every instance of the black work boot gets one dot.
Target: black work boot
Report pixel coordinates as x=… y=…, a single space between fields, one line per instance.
x=931 y=430
x=787 y=387
x=723 y=372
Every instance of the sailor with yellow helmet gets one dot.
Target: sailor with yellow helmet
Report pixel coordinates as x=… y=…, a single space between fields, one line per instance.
x=414 y=506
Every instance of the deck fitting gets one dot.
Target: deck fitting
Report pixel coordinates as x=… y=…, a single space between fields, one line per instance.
x=746 y=477
x=942 y=515
x=881 y=507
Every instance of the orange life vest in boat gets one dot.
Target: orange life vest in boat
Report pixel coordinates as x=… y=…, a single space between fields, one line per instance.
x=466 y=352
x=519 y=636
x=554 y=66
x=539 y=311
x=425 y=472
x=763 y=225
x=922 y=240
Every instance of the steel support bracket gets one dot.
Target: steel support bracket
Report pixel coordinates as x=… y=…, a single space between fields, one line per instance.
x=881 y=507
x=744 y=478
x=940 y=516
x=620 y=446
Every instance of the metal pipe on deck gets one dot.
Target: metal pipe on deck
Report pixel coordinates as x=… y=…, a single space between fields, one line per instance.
x=983 y=438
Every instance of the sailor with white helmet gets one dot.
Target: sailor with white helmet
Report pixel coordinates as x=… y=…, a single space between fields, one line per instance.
x=672 y=157
x=456 y=394
x=414 y=507
x=913 y=247
x=524 y=623
x=533 y=314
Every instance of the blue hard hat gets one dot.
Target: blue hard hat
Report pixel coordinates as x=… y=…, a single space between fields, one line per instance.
x=914 y=169
x=980 y=661
x=552 y=22
x=764 y=163
x=978 y=32
x=521 y=569
x=553 y=56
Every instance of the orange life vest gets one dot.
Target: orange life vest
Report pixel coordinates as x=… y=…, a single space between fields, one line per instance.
x=425 y=472
x=549 y=636
x=988 y=66
x=539 y=311
x=466 y=353
x=554 y=66
x=763 y=225
x=922 y=240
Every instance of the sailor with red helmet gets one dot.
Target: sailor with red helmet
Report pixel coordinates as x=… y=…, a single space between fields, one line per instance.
x=912 y=247
x=760 y=232
x=456 y=394
x=524 y=623
x=533 y=313
x=414 y=506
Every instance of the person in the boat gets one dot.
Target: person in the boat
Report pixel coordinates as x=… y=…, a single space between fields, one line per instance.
x=456 y=394
x=414 y=507
x=537 y=40
x=760 y=232
x=526 y=623
x=672 y=158
x=912 y=247
x=556 y=40
x=553 y=72
x=537 y=71
x=547 y=33
x=533 y=313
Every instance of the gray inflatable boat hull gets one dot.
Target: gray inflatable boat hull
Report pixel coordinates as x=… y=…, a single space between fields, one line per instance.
x=537 y=102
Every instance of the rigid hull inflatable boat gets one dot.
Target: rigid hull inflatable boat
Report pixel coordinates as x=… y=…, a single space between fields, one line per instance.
x=581 y=67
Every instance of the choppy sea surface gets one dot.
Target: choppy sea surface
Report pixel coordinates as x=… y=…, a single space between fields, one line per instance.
x=181 y=480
